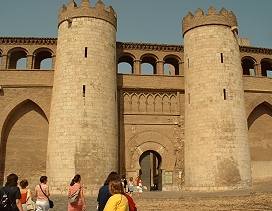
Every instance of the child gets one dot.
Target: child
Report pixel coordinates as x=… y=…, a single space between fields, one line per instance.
x=130 y=186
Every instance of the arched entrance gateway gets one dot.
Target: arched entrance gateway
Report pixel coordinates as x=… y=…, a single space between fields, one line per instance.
x=151 y=154
x=150 y=172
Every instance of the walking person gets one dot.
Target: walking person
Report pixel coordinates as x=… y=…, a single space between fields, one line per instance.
x=25 y=192
x=80 y=203
x=104 y=193
x=124 y=183
x=118 y=201
x=155 y=181
x=139 y=186
x=42 y=194
x=130 y=186
x=12 y=192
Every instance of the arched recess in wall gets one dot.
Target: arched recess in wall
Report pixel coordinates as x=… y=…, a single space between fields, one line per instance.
x=150 y=141
x=260 y=140
x=266 y=66
x=43 y=58
x=255 y=102
x=171 y=65
x=142 y=103
x=148 y=64
x=125 y=64
x=248 y=65
x=24 y=136
x=17 y=58
x=127 y=103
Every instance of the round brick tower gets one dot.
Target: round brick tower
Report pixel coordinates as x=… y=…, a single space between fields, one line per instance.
x=216 y=136
x=83 y=120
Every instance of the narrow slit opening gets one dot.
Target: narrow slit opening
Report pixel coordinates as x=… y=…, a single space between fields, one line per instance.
x=86 y=52
x=222 y=59
x=83 y=90
x=225 y=94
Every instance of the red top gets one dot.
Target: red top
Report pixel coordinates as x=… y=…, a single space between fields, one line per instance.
x=23 y=197
x=138 y=181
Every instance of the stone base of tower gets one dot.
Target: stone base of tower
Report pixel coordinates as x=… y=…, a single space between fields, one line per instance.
x=219 y=188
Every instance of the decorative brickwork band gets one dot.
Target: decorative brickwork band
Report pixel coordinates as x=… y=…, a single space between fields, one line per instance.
x=28 y=40
x=72 y=11
x=149 y=46
x=212 y=18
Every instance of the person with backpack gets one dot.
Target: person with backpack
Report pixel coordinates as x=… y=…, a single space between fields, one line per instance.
x=75 y=195
x=10 y=195
x=124 y=183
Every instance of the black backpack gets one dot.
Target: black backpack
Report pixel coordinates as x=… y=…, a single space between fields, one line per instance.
x=5 y=203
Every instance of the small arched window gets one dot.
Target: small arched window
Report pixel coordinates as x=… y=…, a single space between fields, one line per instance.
x=125 y=64
x=266 y=65
x=171 y=66
x=17 y=58
x=148 y=66
x=43 y=59
x=248 y=65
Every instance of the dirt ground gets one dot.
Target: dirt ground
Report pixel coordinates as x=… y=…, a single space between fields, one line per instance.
x=258 y=197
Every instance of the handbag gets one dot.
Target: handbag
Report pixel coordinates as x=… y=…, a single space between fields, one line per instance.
x=51 y=203
x=30 y=205
x=73 y=198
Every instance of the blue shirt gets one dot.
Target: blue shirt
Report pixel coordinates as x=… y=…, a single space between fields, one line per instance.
x=103 y=196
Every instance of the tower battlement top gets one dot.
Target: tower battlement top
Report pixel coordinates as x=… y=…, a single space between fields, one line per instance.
x=212 y=18
x=67 y=13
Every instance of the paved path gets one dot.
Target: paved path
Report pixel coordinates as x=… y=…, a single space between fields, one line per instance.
x=257 y=197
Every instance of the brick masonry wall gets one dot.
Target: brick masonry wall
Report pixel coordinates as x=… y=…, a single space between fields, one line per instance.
x=24 y=122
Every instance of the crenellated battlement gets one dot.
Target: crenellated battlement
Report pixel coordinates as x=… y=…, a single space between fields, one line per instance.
x=67 y=13
x=212 y=18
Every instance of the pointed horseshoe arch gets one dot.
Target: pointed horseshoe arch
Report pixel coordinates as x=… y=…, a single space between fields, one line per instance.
x=257 y=101
x=19 y=100
x=150 y=141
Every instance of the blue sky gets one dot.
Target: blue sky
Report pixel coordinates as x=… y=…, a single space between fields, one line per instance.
x=154 y=21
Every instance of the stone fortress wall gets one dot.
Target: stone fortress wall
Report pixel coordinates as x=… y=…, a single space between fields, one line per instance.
x=151 y=108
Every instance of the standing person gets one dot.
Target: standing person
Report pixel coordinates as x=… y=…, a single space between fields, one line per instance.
x=155 y=181
x=104 y=193
x=139 y=186
x=24 y=193
x=124 y=183
x=74 y=186
x=130 y=186
x=41 y=191
x=13 y=192
x=118 y=201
